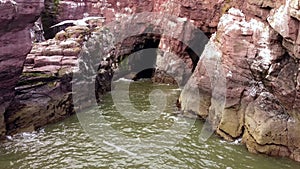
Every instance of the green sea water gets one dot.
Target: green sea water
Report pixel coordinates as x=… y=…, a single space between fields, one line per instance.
x=76 y=143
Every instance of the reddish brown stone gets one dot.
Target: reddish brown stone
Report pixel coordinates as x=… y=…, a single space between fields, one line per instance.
x=15 y=44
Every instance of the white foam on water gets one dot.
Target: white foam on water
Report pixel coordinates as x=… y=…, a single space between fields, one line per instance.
x=118 y=148
x=123 y=80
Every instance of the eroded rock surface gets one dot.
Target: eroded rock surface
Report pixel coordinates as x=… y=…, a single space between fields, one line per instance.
x=16 y=19
x=44 y=89
x=261 y=77
x=285 y=20
x=261 y=81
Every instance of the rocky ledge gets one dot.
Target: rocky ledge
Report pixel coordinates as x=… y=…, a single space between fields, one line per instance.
x=44 y=90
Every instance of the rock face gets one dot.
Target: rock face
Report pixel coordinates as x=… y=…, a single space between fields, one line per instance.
x=285 y=20
x=205 y=14
x=44 y=91
x=260 y=74
x=16 y=19
x=261 y=87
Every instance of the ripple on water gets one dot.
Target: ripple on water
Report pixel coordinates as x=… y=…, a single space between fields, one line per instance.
x=67 y=145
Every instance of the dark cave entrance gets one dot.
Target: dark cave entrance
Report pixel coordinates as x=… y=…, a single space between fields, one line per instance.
x=140 y=63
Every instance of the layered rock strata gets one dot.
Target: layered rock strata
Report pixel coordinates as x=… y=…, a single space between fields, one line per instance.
x=44 y=91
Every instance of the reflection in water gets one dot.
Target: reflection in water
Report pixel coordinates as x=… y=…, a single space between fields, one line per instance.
x=67 y=145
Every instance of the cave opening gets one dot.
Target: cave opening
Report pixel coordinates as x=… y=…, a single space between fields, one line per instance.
x=140 y=63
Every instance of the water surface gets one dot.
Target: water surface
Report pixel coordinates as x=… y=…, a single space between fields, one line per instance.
x=68 y=144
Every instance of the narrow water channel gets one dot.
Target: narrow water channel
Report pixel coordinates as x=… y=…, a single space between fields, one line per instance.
x=68 y=144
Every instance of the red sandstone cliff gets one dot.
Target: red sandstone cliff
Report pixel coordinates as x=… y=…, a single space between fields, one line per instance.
x=257 y=43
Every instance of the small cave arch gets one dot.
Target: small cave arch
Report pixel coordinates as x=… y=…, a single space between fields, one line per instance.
x=138 y=57
x=140 y=61
x=141 y=51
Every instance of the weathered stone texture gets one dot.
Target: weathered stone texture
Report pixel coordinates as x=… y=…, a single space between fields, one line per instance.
x=16 y=18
